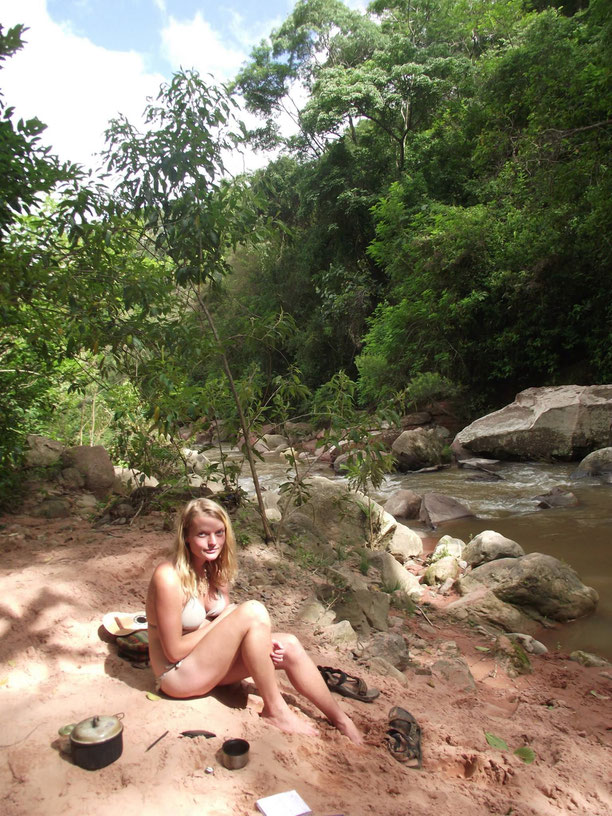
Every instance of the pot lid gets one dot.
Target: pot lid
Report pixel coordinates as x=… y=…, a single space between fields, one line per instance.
x=98 y=728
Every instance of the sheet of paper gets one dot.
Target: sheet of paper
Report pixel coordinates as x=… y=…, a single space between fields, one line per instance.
x=289 y=803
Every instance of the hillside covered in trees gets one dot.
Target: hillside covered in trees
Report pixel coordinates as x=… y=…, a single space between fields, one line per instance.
x=439 y=225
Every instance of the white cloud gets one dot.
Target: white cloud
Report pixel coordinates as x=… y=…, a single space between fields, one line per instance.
x=250 y=33
x=72 y=85
x=194 y=44
x=76 y=87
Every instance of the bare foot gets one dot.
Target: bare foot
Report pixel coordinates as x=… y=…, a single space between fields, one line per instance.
x=290 y=723
x=346 y=726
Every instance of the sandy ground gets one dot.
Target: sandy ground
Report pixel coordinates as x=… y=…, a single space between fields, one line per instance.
x=59 y=577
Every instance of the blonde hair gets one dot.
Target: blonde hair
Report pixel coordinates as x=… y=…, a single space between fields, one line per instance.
x=219 y=572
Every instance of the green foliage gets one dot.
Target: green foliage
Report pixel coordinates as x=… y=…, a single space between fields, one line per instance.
x=334 y=400
x=427 y=387
x=441 y=230
x=368 y=466
x=309 y=559
x=496 y=293
x=525 y=753
x=314 y=266
x=171 y=175
x=364 y=562
x=27 y=167
x=496 y=742
x=89 y=404
x=390 y=588
x=32 y=336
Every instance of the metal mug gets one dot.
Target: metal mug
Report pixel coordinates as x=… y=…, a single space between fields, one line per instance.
x=234 y=754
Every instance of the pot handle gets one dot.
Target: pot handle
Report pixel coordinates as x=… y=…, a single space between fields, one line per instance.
x=66 y=730
x=119 y=716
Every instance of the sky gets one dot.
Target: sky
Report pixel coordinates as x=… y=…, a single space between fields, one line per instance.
x=85 y=61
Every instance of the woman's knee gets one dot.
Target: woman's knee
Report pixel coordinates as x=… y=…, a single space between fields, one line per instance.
x=255 y=611
x=293 y=647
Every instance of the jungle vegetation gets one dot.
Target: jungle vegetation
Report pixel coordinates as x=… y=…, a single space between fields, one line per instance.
x=438 y=225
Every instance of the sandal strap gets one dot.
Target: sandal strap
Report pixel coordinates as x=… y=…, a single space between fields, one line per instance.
x=360 y=683
x=402 y=748
x=405 y=726
x=337 y=677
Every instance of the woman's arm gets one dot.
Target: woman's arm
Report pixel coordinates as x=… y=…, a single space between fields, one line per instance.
x=224 y=591
x=169 y=601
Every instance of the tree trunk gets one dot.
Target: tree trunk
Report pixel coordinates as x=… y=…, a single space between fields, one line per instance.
x=243 y=423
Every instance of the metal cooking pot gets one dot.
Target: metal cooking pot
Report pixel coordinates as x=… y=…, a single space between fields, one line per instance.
x=96 y=741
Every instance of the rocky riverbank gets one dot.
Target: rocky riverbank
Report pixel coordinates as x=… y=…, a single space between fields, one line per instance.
x=58 y=578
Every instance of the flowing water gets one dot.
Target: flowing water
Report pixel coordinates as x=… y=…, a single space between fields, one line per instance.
x=581 y=536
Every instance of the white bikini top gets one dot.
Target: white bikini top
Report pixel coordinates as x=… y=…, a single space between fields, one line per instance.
x=194 y=614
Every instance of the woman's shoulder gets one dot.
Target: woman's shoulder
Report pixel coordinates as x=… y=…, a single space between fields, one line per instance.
x=165 y=573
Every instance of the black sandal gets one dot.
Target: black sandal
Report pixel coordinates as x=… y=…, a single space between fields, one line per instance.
x=347 y=685
x=404 y=738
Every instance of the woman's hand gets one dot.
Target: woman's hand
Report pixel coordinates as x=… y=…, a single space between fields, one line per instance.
x=278 y=652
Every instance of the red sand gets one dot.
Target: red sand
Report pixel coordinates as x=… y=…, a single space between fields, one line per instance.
x=59 y=577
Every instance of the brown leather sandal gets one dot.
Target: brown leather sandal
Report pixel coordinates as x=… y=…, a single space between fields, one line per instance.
x=404 y=738
x=347 y=685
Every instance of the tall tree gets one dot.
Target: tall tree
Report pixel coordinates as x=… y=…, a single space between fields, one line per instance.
x=30 y=344
x=506 y=286
x=172 y=184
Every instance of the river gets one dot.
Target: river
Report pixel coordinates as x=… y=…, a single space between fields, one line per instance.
x=581 y=535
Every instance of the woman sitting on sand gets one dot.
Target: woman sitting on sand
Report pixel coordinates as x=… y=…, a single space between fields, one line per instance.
x=199 y=640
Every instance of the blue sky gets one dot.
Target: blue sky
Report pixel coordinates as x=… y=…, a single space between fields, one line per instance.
x=152 y=27
x=87 y=60
x=138 y=24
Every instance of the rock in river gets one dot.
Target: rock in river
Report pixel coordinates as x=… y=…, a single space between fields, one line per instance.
x=539 y=582
x=561 y=422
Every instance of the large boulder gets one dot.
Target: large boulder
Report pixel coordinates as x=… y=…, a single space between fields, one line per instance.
x=489 y=546
x=442 y=570
x=363 y=609
x=340 y=634
x=391 y=647
x=511 y=655
x=329 y=512
x=53 y=508
x=333 y=513
x=128 y=479
x=396 y=577
x=598 y=463
x=94 y=463
x=404 y=504
x=403 y=543
x=415 y=419
x=315 y=612
x=72 y=479
x=446 y=546
x=297 y=432
x=196 y=461
x=455 y=672
x=436 y=508
x=420 y=448
x=562 y=422
x=480 y=605
x=271 y=442
x=42 y=452
x=536 y=582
